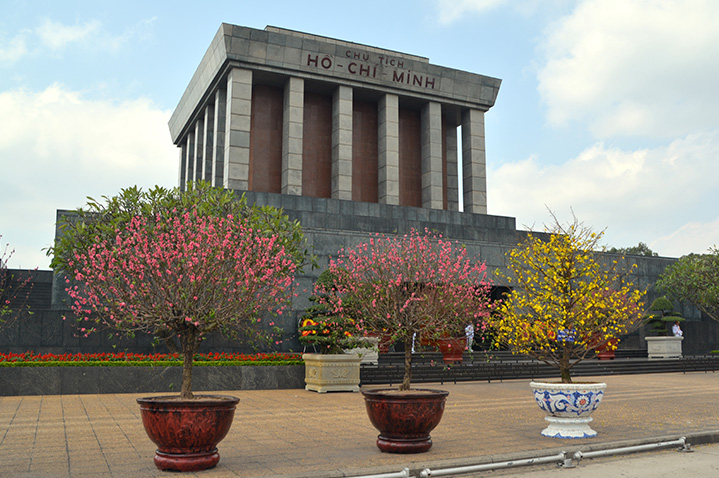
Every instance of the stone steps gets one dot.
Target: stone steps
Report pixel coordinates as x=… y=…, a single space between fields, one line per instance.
x=428 y=367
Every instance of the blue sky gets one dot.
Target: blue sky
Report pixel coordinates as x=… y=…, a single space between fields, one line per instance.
x=607 y=108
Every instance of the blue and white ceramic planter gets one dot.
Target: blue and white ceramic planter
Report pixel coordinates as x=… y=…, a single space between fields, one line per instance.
x=569 y=406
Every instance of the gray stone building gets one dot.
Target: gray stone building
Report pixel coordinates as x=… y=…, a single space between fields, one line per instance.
x=346 y=138
x=286 y=112
x=349 y=140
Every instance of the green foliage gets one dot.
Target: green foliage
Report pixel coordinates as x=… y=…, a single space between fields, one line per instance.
x=640 y=249
x=695 y=279
x=14 y=291
x=327 y=331
x=661 y=313
x=98 y=221
x=661 y=304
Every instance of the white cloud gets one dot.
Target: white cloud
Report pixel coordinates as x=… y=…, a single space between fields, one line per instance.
x=695 y=237
x=54 y=38
x=13 y=49
x=634 y=67
x=57 y=148
x=638 y=195
x=57 y=36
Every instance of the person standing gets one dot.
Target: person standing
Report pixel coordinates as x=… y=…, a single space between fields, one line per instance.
x=469 y=332
x=676 y=330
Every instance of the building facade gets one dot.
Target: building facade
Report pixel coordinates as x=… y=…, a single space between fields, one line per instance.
x=348 y=140
x=286 y=112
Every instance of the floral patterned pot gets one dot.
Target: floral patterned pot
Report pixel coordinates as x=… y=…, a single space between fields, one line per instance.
x=404 y=419
x=187 y=432
x=568 y=406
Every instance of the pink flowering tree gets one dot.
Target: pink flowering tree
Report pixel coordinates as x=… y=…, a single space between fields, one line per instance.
x=184 y=263
x=410 y=286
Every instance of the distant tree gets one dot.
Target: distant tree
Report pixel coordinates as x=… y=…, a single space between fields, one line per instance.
x=661 y=313
x=14 y=291
x=695 y=279
x=640 y=249
x=323 y=328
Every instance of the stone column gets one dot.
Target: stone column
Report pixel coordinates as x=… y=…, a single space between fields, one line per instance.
x=218 y=152
x=190 y=156
x=388 y=146
x=431 y=117
x=208 y=139
x=199 y=148
x=292 y=120
x=474 y=169
x=452 y=167
x=237 y=129
x=342 y=143
x=182 y=170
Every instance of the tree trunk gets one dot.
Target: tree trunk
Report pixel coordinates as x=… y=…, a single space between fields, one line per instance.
x=407 y=363
x=189 y=347
x=564 y=369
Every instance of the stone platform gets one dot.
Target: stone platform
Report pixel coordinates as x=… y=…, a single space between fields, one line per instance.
x=296 y=433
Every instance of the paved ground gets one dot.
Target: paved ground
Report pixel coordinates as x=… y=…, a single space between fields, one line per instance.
x=295 y=433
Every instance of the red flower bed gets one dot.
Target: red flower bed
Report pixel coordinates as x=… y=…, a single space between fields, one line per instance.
x=149 y=358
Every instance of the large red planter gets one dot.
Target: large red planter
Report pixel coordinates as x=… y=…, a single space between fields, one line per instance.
x=452 y=349
x=404 y=419
x=187 y=432
x=605 y=351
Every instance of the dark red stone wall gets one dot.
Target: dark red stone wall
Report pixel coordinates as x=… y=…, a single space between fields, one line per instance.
x=266 y=139
x=364 y=152
x=410 y=158
x=317 y=146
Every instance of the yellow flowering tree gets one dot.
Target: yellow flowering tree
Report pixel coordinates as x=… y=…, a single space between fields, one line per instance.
x=566 y=299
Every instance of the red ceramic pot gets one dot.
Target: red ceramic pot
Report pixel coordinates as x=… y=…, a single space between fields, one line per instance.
x=605 y=351
x=404 y=419
x=187 y=432
x=452 y=349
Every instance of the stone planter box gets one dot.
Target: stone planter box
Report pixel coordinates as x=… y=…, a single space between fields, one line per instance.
x=332 y=372
x=82 y=380
x=664 y=347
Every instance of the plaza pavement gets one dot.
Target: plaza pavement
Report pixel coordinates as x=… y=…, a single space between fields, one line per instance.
x=296 y=433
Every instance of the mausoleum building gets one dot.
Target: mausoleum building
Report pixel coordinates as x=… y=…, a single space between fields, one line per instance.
x=281 y=111
x=347 y=139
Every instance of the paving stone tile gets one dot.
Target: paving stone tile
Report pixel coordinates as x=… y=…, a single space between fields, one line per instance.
x=299 y=433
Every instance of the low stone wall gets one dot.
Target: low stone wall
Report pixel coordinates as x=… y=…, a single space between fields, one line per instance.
x=90 y=380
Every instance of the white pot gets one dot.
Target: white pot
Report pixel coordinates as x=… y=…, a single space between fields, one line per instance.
x=568 y=407
x=332 y=372
x=369 y=354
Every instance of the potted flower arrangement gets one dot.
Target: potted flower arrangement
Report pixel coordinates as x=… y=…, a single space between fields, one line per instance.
x=566 y=300
x=183 y=263
x=330 y=334
x=405 y=287
x=660 y=342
